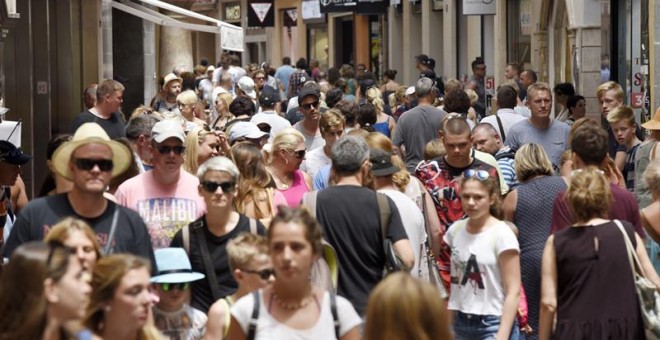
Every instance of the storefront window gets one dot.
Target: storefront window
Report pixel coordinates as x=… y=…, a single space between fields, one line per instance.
x=318 y=45
x=376 y=40
x=519 y=31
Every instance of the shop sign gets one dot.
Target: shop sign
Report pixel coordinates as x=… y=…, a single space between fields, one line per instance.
x=358 y=6
x=261 y=13
x=479 y=7
x=311 y=10
x=525 y=17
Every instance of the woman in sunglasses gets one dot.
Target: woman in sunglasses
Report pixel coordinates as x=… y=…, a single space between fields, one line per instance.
x=293 y=308
x=120 y=304
x=287 y=153
x=208 y=236
x=485 y=263
x=201 y=144
x=43 y=287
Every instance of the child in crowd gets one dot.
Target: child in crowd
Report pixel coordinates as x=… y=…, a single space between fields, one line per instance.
x=434 y=149
x=251 y=268
x=622 y=121
x=172 y=315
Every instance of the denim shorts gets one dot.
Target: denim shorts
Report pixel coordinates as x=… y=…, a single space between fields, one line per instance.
x=479 y=327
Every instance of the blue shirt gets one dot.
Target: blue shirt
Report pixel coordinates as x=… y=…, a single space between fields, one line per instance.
x=322 y=178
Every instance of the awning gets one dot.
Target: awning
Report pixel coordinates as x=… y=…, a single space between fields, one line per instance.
x=231 y=36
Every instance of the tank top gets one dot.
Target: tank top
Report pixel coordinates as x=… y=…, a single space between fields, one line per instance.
x=383 y=127
x=296 y=191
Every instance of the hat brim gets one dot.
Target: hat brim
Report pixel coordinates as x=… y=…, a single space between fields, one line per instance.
x=258 y=135
x=121 y=156
x=652 y=125
x=177 y=277
x=21 y=160
x=251 y=93
x=171 y=80
x=390 y=170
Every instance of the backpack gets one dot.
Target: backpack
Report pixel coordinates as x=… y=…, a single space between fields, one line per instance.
x=254 y=319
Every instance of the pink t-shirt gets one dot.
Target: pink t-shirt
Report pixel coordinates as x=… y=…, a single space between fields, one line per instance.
x=164 y=209
x=296 y=191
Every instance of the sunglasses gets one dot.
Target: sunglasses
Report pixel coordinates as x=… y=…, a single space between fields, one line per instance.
x=481 y=175
x=260 y=78
x=300 y=154
x=88 y=164
x=264 y=274
x=211 y=186
x=309 y=106
x=163 y=149
x=166 y=287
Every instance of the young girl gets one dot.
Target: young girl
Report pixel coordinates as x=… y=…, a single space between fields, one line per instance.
x=292 y=308
x=485 y=265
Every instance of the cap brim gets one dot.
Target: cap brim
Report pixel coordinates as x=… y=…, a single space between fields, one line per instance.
x=121 y=156
x=163 y=136
x=177 y=277
x=258 y=135
x=21 y=160
x=391 y=170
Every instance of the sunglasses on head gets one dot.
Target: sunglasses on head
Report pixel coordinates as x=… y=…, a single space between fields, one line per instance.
x=300 y=154
x=309 y=106
x=264 y=274
x=211 y=186
x=166 y=287
x=89 y=163
x=164 y=149
x=481 y=175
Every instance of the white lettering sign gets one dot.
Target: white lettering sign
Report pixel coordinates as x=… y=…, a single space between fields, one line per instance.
x=479 y=7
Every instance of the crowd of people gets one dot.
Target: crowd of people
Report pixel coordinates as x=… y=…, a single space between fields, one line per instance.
x=303 y=203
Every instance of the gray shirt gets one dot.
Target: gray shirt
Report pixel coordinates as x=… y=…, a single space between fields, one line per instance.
x=553 y=139
x=415 y=128
x=311 y=141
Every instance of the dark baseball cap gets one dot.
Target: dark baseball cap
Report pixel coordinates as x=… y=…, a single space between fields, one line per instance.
x=308 y=91
x=268 y=96
x=12 y=155
x=381 y=162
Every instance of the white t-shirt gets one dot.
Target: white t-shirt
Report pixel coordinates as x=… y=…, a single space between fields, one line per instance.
x=508 y=117
x=269 y=328
x=476 y=281
x=186 y=323
x=413 y=223
x=314 y=161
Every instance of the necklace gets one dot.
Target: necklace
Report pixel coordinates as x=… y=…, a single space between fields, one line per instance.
x=283 y=182
x=293 y=306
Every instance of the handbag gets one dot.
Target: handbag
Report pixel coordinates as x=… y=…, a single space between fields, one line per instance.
x=649 y=299
x=430 y=259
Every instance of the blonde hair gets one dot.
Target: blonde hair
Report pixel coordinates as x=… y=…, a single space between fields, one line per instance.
x=61 y=231
x=622 y=113
x=532 y=161
x=538 y=87
x=187 y=97
x=588 y=194
x=331 y=118
x=226 y=98
x=377 y=140
x=375 y=98
x=434 y=149
x=453 y=84
x=286 y=139
x=244 y=248
x=609 y=85
x=472 y=95
x=254 y=178
x=652 y=176
x=194 y=139
x=402 y=307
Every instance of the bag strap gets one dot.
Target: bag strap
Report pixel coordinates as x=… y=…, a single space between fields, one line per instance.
x=252 y=326
x=111 y=236
x=253 y=226
x=197 y=228
x=335 y=315
x=632 y=255
x=385 y=214
x=185 y=232
x=499 y=123
x=309 y=200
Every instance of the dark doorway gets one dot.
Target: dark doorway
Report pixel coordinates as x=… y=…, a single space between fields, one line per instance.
x=345 y=41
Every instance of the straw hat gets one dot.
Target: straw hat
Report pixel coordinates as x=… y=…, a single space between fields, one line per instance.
x=170 y=78
x=86 y=134
x=654 y=123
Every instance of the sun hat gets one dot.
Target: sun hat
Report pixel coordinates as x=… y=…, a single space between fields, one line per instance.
x=245 y=130
x=86 y=134
x=170 y=78
x=210 y=68
x=9 y=153
x=654 y=123
x=246 y=84
x=382 y=163
x=168 y=128
x=174 y=267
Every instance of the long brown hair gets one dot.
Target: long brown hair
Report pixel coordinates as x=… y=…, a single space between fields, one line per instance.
x=23 y=303
x=254 y=177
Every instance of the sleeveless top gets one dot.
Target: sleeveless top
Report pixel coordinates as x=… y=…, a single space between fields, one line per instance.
x=296 y=191
x=383 y=127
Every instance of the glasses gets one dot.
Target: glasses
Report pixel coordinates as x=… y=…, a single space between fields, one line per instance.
x=164 y=149
x=309 y=106
x=211 y=186
x=481 y=175
x=260 y=78
x=88 y=164
x=166 y=287
x=300 y=154
x=264 y=274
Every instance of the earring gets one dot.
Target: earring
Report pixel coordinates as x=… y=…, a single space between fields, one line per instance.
x=107 y=309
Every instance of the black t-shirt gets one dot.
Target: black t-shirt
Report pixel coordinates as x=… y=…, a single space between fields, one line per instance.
x=113 y=126
x=36 y=219
x=202 y=298
x=351 y=223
